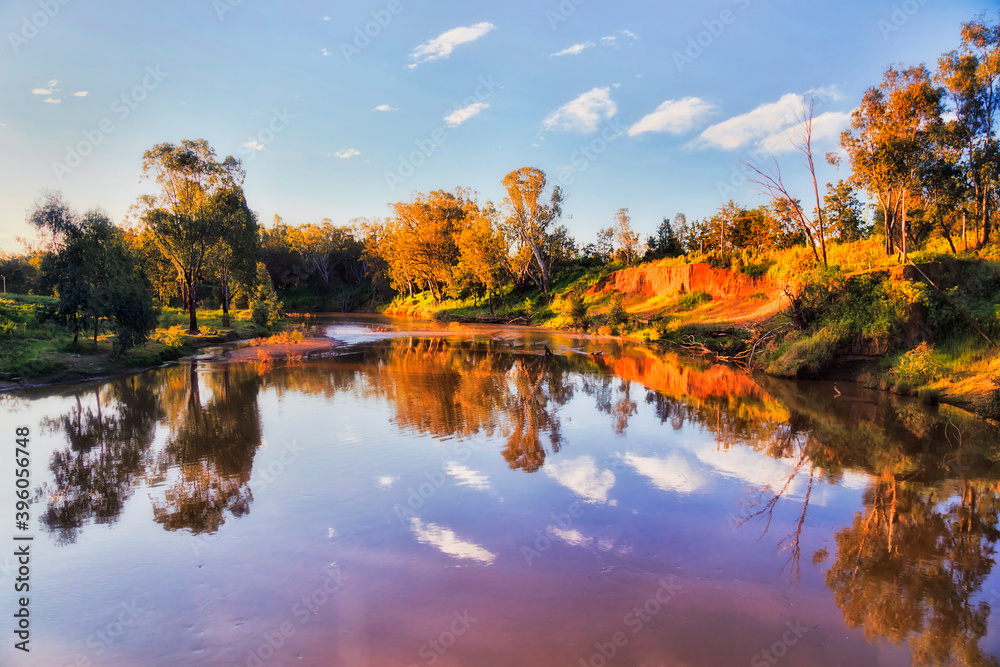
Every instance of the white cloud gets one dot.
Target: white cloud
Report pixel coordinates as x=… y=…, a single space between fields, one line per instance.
x=574 y=50
x=467 y=476
x=673 y=473
x=459 y=116
x=585 y=113
x=448 y=542
x=443 y=45
x=582 y=477
x=325 y=52
x=326 y=18
x=53 y=100
x=254 y=145
x=80 y=93
x=611 y=40
x=673 y=116
x=385 y=481
x=824 y=126
x=573 y=536
x=42 y=91
x=385 y=107
x=764 y=121
x=347 y=152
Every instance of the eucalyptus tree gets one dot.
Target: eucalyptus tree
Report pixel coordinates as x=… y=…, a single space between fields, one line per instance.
x=198 y=200
x=528 y=218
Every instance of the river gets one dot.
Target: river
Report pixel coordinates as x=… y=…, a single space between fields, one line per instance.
x=436 y=496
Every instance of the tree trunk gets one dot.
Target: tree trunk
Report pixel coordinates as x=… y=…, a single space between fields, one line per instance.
x=97 y=321
x=192 y=314
x=225 y=297
x=902 y=228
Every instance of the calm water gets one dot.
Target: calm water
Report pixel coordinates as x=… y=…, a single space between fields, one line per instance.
x=453 y=498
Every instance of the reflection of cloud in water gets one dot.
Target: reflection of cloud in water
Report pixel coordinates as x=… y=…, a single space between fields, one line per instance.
x=448 y=542
x=385 y=481
x=467 y=476
x=573 y=537
x=673 y=473
x=582 y=477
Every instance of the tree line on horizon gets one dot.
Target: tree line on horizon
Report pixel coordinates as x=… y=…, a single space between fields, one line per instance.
x=922 y=148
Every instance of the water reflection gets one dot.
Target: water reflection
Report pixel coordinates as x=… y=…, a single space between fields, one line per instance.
x=909 y=568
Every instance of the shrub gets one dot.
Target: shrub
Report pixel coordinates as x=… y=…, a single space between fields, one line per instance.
x=617 y=313
x=576 y=309
x=265 y=307
x=174 y=336
x=991 y=408
x=920 y=365
x=807 y=355
x=693 y=300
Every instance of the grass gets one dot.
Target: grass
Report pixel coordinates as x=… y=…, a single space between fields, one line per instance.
x=34 y=345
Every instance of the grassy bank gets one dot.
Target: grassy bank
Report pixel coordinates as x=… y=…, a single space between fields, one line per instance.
x=36 y=348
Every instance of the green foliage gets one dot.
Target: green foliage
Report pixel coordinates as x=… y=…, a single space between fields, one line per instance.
x=265 y=307
x=693 y=300
x=991 y=407
x=919 y=366
x=806 y=355
x=174 y=336
x=576 y=309
x=616 y=313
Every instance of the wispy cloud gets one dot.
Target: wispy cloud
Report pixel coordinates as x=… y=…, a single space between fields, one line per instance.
x=448 y=542
x=824 y=126
x=574 y=50
x=50 y=90
x=443 y=45
x=585 y=113
x=385 y=107
x=673 y=117
x=764 y=121
x=324 y=52
x=459 y=116
x=254 y=145
x=468 y=477
x=611 y=40
x=347 y=152
x=80 y=93
x=52 y=100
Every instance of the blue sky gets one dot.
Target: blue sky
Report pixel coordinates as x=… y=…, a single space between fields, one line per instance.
x=339 y=109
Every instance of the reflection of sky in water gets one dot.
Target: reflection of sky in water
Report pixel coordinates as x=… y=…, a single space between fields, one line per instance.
x=360 y=470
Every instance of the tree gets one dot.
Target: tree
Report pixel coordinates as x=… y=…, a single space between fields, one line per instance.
x=971 y=78
x=484 y=251
x=265 y=307
x=528 y=218
x=94 y=273
x=234 y=257
x=198 y=194
x=606 y=244
x=772 y=184
x=665 y=243
x=628 y=241
x=890 y=140
x=844 y=212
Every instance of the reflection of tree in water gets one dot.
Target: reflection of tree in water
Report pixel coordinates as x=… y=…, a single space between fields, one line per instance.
x=541 y=386
x=109 y=443
x=210 y=452
x=910 y=561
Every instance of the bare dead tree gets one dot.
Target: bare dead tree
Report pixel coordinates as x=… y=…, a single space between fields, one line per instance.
x=772 y=184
